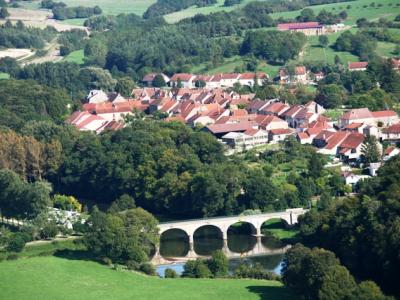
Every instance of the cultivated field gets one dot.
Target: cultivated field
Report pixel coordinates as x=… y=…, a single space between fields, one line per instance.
x=37 y=18
x=109 y=7
x=58 y=278
x=16 y=53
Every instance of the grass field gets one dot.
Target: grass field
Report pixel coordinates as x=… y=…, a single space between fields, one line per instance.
x=58 y=278
x=277 y=228
x=75 y=57
x=109 y=7
x=4 y=76
x=356 y=11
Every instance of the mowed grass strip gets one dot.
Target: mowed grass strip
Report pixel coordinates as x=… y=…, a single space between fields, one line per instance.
x=76 y=57
x=58 y=278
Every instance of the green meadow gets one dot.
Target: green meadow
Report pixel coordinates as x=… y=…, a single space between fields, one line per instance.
x=58 y=278
x=75 y=57
x=355 y=11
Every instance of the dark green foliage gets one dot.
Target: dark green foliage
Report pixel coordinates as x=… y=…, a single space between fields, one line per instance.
x=359 y=44
x=255 y=271
x=24 y=37
x=24 y=100
x=122 y=203
x=218 y=264
x=330 y=95
x=275 y=46
x=169 y=273
x=50 y=4
x=232 y=2
x=50 y=230
x=4 y=13
x=124 y=86
x=196 y=269
x=127 y=236
x=147 y=269
x=370 y=151
x=316 y=274
x=363 y=231
x=163 y=7
x=16 y=243
x=10 y=66
x=72 y=40
x=19 y=199
x=159 y=81
x=79 y=12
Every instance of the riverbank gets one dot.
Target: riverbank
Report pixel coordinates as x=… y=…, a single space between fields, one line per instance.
x=59 y=278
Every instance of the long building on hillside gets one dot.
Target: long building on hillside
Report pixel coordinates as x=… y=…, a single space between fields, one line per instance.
x=308 y=28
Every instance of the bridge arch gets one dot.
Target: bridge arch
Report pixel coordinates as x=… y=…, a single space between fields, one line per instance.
x=178 y=241
x=207 y=235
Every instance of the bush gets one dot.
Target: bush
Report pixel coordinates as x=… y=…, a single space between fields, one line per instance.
x=148 y=269
x=64 y=50
x=169 y=273
x=50 y=230
x=107 y=261
x=16 y=243
x=12 y=256
x=132 y=265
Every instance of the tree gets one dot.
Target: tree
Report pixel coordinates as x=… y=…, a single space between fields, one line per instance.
x=218 y=264
x=330 y=96
x=170 y=273
x=159 y=81
x=196 y=269
x=323 y=41
x=16 y=243
x=124 y=202
x=337 y=283
x=4 y=13
x=368 y=290
x=370 y=151
x=200 y=83
x=126 y=236
x=50 y=230
x=124 y=86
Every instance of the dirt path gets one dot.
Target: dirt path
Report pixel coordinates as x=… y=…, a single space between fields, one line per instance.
x=52 y=55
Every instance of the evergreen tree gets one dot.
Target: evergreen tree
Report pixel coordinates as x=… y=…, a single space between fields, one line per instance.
x=370 y=151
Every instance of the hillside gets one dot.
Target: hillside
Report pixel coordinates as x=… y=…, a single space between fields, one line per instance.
x=72 y=279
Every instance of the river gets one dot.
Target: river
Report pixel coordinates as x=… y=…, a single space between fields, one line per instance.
x=241 y=247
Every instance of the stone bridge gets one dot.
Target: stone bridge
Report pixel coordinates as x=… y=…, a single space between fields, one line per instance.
x=290 y=216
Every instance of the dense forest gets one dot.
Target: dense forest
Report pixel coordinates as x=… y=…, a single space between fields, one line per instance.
x=363 y=231
x=163 y=7
x=20 y=36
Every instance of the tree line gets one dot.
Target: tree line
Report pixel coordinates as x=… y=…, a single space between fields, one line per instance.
x=164 y=7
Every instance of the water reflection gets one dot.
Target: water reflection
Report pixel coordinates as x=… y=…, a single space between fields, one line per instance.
x=175 y=243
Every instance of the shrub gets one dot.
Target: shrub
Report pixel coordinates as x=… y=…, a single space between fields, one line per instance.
x=107 y=261
x=132 y=265
x=12 y=256
x=148 y=269
x=16 y=243
x=169 y=273
x=50 y=230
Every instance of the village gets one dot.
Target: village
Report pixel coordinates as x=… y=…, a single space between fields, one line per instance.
x=243 y=122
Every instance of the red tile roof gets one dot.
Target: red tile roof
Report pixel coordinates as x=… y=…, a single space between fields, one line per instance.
x=358 y=65
x=230 y=127
x=294 y=26
x=393 y=129
x=182 y=77
x=384 y=114
x=352 y=141
x=358 y=113
x=281 y=131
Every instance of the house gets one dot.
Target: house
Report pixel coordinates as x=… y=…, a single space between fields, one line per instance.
x=186 y=80
x=277 y=135
x=274 y=108
x=246 y=140
x=373 y=168
x=96 y=96
x=308 y=28
x=350 y=148
x=114 y=111
x=299 y=75
x=390 y=152
x=256 y=106
x=270 y=122
x=85 y=121
x=149 y=78
x=249 y=78
x=165 y=105
x=220 y=130
x=357 y=66
x=328 y=142
x=392 y=133
x=364 y=115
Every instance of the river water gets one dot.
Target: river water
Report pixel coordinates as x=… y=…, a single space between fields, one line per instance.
x=241 y=247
